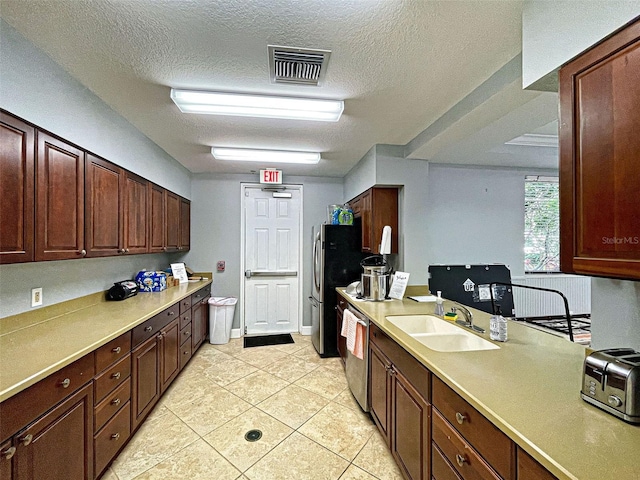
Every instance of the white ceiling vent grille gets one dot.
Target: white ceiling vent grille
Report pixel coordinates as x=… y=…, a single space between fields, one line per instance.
x=298 y=66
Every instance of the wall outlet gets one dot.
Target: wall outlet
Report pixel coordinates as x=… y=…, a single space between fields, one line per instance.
x=36 y=297
x=221 y=265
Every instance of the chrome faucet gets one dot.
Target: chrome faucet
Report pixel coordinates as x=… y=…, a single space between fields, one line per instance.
x=468 y=321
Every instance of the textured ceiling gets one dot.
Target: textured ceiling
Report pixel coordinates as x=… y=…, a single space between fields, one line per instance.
x=399 y=65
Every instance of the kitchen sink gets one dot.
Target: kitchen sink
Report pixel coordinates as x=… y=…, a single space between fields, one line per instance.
x=413 y=324
x=454 y=342
x=440 y=335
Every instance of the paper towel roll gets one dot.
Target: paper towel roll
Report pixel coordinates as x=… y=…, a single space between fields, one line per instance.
x=385 y=244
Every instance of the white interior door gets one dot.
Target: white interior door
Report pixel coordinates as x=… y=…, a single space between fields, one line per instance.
x=272 y=256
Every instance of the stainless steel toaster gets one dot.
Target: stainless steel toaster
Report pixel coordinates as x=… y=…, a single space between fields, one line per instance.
x=612 y=382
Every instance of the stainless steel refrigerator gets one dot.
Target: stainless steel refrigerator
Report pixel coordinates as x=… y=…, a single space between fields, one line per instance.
x=336 y=263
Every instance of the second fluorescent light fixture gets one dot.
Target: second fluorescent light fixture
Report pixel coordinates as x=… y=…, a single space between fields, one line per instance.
x=217 y=103
x=254 y=155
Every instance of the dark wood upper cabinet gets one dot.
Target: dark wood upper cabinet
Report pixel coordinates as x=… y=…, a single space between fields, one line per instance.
x=17 y=148
x=185 y=224
x=136 y=214
x=599 y=158
x=157 y=228
x=172 y=221
x=373 y=209
x=104 y=209
x=59 y=200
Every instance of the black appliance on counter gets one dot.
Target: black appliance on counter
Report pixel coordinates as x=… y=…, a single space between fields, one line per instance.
x=336 y=263
x=122 y=290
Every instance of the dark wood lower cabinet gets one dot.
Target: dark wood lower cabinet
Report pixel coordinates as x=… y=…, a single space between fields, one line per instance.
x=58 y=446
x=7 y=452
x=400 y=411
x=380 y=390
x=169 y=353
x=411 y=429
x=199 y=322
x=145 y=379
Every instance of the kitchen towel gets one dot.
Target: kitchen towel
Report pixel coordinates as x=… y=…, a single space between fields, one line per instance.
x=355 y=333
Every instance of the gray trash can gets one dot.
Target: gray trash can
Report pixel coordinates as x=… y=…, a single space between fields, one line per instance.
x=221 y=310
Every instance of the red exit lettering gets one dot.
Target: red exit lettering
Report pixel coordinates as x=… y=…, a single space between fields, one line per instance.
x=271 y=176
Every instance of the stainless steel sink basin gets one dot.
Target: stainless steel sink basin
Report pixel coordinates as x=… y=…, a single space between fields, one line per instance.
x=413 y=324
x=454 y=342
x=440 y=335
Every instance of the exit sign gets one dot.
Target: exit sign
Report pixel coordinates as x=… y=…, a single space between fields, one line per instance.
x=271 y=175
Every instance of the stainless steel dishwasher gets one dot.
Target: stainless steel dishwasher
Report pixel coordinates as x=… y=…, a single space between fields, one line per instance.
x=357 y=370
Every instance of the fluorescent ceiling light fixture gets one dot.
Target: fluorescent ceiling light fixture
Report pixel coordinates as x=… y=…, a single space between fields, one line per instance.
x=216 y=103
x=534 y=140
x=271 y=156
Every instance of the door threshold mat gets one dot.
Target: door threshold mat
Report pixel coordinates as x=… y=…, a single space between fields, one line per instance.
x=263 y=340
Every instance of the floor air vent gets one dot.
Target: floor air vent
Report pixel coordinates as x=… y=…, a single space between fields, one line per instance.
x=298 y=66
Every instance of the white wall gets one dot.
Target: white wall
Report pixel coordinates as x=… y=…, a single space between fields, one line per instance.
x=555 y=31
x=216 y=225
x=476 y=215
x=37 y=89
x=362 y=176
x=413 y=206
x=615 y=313
x=40 y=91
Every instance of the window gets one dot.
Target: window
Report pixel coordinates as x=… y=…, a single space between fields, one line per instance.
x=541 y=224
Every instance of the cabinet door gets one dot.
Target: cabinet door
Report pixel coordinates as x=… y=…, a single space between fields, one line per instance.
x=170 y=353
x=59 y=200
x=104 y=210
x=199 y=320
x=366 y=212
x=172 y=221
x=157 y=218
x=384 y=211
x=17 y=179
x=7 y=452
x=410 y=443
x=530 y=469
x=599 y=151
x=136 y=214
x=185 y=224
x=59 y=445
x=145 y=377
x=380 y=390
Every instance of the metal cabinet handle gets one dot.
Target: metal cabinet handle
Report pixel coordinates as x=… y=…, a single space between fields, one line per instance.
x=116 y=350
x=461 y=459
x=122 y=250
x=171 y=314
x=83 y=252
x=186 y=332
x=148 y=329
x=185 y=353
x=26 y=440
x=115 y=436
x=460 y=417
x=116 y=375
x=126 y=250
x=8 y=453
x=115 y=401
x=65 y=383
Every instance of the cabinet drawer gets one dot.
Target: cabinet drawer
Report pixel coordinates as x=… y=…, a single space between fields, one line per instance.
x=492 y=444
x=530 y=469
x=26 y=406
x=185 y=333
x=185 y=354
x=111 y=438
x=185 y=305
x=185 y=319
x=111 y=378
x=467 y=462
x=200 y=294
x=113 y=351
x=441 y=469
x=152 y=326
x=111 y=404
x=413 y=370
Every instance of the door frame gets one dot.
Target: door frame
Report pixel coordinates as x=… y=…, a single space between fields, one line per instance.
x=243 y=188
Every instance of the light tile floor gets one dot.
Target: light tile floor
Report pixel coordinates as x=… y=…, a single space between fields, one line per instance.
x=312 y=428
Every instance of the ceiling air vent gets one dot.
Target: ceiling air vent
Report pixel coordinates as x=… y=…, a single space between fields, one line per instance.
x=297 y=66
